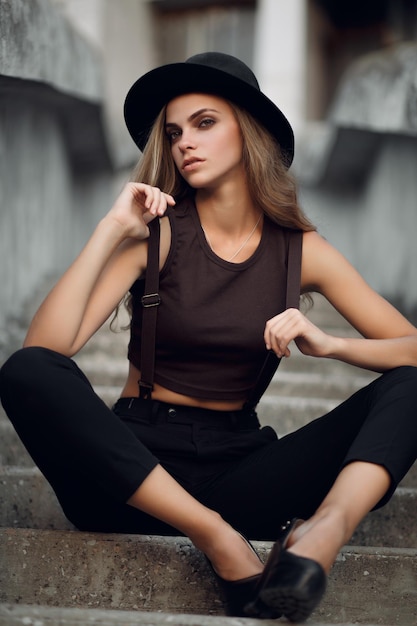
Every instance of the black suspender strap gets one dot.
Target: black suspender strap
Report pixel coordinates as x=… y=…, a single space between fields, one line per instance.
x=150 y=303
x=292 y=301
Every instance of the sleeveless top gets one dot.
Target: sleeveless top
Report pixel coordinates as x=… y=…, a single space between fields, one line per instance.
x=211 y=320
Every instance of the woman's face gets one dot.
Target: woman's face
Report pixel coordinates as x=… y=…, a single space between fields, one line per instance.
x=206 y=141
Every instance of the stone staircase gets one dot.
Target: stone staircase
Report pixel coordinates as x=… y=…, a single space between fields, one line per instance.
x=52 y=575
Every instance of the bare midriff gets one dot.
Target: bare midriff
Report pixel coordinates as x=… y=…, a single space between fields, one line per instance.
x=131 y=390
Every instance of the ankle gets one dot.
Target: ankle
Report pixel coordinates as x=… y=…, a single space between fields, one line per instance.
x=321 y=537
x=204 y=531
x=336 y=519
x=234 y=558
x=231 y=556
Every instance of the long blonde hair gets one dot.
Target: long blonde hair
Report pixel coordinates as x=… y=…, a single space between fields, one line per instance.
x=271 y=186
x=156 y=167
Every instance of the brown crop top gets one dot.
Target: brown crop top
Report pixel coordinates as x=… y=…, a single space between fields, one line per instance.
x=211 y=320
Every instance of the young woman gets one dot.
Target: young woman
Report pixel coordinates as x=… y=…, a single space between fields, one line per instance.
x=186 y=453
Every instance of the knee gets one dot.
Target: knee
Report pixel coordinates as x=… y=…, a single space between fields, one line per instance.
x=404 y=379
x=24 y=369
x=21 y=363
x=409 y=375
x=406 y=374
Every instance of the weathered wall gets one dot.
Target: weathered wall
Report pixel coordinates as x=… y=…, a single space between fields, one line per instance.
x=358 y=172
x=47 y=210
x=65 y=67
x=55 y=171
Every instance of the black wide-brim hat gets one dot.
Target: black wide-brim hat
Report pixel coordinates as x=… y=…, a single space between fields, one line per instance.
x=210 y=72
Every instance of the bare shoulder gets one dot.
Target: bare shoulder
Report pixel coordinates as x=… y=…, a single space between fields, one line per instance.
x=325 y=270
x=318 y=258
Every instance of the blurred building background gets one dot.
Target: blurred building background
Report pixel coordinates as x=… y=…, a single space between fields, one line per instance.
x=343 y=71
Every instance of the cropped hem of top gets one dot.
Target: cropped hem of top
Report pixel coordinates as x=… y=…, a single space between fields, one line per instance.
x=212 y=315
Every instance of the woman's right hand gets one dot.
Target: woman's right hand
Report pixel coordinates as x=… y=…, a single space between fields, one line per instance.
x=102 y=273
x=136 y=206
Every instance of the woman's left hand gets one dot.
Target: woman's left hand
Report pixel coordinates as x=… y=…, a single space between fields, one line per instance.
x=293 y=325
x=386 y=338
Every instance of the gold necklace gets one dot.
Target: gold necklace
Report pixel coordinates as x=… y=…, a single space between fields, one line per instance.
x=240 y=247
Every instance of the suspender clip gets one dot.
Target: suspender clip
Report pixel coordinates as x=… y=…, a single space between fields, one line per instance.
x=151 y=299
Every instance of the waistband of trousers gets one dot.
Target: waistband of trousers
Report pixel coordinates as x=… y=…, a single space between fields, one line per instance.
x=163 y=412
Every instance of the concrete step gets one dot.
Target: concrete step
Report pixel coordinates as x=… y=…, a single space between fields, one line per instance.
x=27 y=501
x=12 y=451
x=309 y=383
x=31 y=615
x=393 y=525
x=299 y=362
x=130 y=572
x=288 y=413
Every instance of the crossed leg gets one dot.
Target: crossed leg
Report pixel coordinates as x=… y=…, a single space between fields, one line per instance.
x=357 y=489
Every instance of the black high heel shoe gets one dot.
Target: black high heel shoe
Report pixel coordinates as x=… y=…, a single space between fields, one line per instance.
x=290 y=585
x=287 y=529
x=238 y=593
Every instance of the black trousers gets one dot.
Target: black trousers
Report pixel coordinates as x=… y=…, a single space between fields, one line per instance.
x=95 y=457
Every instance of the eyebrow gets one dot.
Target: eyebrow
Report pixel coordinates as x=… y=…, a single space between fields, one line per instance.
x=193 y=115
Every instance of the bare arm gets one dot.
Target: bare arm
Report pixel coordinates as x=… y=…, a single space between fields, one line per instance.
x=389 y=340
x=94 y=284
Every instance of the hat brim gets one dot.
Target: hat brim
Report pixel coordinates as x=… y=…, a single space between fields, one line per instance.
x=150 y=93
